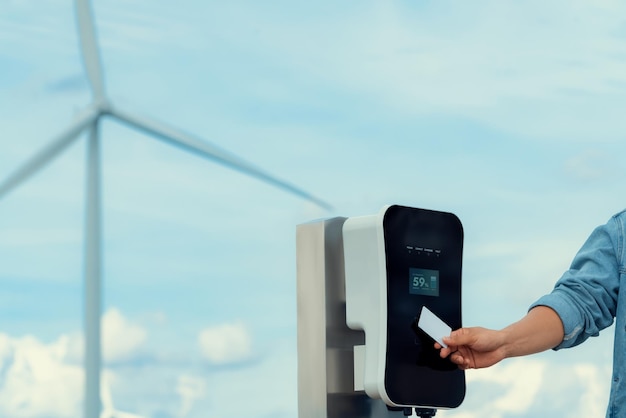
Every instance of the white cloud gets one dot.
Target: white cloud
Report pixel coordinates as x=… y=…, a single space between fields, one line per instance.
x=522 y=379
x=35 y=381
x=121 y=338
x=269 y=387
x=226 y=343
x=39 y=379
x=523 y=386
x=596 y=388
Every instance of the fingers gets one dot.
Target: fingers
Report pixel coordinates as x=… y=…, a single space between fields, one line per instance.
x=445 y=351
x=461 y=336
x=456 y=356
x=463 y=362
x=454 y=341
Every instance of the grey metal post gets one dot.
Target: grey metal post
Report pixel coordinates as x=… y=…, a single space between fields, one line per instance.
x=325 y=343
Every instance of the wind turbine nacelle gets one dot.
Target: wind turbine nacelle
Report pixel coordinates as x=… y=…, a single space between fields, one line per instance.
x=402 y=273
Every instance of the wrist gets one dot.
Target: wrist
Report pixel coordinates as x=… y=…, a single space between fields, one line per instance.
x=506 y=343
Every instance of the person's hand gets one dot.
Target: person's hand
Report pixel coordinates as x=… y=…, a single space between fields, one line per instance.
x=473 y=348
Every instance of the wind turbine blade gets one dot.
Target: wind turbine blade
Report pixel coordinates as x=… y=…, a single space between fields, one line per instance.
x=48 y=153
x=108 y=410
x=105 y=393
x=89 y=48
x=205 y=149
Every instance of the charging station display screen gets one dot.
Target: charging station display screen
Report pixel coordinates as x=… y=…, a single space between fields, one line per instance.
x=423 y=282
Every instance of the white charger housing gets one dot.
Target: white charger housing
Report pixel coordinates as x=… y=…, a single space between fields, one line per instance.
x=366 y=297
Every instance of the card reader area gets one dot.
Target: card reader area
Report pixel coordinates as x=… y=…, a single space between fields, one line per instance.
x=424 y=258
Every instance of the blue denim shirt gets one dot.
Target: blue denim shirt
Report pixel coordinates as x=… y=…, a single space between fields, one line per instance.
x=591 y=294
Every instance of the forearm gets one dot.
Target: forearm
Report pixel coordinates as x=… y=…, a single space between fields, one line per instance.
x=541 y=329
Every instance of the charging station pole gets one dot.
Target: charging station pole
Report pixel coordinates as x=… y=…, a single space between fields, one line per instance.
x=325 y=343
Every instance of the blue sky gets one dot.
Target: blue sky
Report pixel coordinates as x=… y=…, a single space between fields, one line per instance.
x=508 y=114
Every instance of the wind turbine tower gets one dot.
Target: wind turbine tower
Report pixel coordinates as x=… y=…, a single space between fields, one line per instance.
x=88 y=121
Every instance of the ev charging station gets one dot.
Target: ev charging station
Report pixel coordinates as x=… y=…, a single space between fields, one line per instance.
x=374 y=294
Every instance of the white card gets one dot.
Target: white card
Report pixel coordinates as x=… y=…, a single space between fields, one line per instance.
x=433 y=326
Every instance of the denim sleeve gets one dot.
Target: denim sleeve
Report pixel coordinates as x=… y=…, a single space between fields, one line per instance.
x=585 y=297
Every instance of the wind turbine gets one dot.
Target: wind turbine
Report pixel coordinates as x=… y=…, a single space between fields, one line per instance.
x=88 y=121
